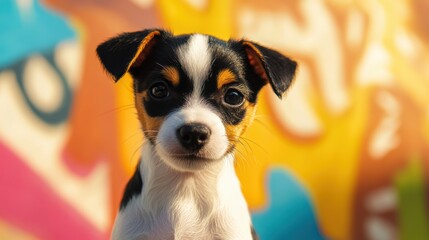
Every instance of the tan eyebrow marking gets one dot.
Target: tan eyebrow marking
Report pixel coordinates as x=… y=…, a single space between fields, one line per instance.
x=172 y=75
x=224 y=77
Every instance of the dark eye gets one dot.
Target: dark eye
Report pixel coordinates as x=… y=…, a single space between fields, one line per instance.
x=159 y=90
x=233 y=97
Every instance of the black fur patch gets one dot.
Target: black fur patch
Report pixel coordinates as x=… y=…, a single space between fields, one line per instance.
x=134 y=188
x=225 y=58
x=116 y=53
x=162 y=55
x=280 y=69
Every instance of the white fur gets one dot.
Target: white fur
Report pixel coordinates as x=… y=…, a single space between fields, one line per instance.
x=207 y=204
x=196 y=60
x=168 y=146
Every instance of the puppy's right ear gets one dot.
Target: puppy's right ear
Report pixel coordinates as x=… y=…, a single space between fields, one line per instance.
x=119 y=54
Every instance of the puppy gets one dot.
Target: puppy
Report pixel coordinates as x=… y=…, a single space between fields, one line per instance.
x=195 y=95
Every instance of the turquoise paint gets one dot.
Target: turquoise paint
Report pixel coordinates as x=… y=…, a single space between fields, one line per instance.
x=28 y=31
x=289 y=214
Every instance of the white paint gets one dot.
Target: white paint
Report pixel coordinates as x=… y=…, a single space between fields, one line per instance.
x=25 y=6
x=40 y=146
x=198 y=4
x=377 y=20
x=207 y=204
x=143 y=3
x=374 y=68
x=42 y=84
x=385 y=137
x=378 y=229
x=407 y=44
x=69 y=58
x=355 y=27
x=196 y=60
x=168 y=145
x=382 y=200
x=319 y=39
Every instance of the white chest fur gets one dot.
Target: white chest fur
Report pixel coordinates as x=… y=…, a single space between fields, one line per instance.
x=173 y=205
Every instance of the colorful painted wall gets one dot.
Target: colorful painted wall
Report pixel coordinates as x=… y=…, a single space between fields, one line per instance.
x=344 y=156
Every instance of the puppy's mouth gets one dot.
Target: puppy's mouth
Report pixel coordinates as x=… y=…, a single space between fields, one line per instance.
x=191 y=157
x=188 y=161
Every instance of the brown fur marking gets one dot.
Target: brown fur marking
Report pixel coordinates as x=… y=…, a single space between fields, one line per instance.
x=150 y=125
x=234 y=132
x=224 y=77
x=172 y=75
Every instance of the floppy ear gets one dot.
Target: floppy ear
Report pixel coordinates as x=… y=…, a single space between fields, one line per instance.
x=127 y=50
x=271 y=66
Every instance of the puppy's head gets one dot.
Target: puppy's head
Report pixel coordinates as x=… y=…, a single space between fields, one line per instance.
x=194 y=94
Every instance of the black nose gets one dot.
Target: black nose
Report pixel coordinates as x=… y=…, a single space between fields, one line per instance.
x=193 y=136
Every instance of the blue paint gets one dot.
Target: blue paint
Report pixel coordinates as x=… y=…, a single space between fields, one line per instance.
x=27 y=31
x=290 y=214
x=55 y=116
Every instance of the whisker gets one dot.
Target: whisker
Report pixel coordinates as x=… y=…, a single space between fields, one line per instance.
x=252 y=157
x=256 y=144
x=135 y=151
x=245 y=147
x=117 y=109
x=159 y=64
x=246 y=157
x=131 y=136
x=242 y=163
x=150 y=131
x=264 y=125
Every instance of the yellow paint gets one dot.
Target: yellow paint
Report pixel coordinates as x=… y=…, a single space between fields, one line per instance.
x=10 y=232
x=130 y=136
x=216 y=19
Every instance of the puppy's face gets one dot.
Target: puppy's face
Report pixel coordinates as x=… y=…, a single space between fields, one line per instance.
x=194 y=94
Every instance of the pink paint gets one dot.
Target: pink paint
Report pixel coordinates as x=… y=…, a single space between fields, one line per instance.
x=26 y=201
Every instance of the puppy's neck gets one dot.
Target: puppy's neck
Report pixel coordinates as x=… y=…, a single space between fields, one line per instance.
x=207 y=204
x=162 y=185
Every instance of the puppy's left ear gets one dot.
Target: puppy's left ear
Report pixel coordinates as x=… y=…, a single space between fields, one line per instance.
x=271 y=66
x=125 y=51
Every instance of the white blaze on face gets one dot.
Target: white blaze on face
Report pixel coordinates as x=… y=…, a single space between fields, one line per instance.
x=196 y=60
